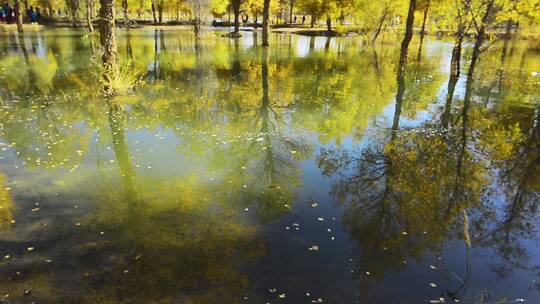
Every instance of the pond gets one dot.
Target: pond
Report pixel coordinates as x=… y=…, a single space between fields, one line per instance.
x=229 y=173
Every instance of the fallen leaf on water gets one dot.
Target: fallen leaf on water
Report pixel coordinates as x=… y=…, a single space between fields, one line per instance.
x=433 y=285
x=30 y=248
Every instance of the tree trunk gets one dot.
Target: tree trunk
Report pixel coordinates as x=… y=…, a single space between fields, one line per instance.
x=18 y=16
x=291 y=7
x=154 y=11
x=313 y=19
x=160 y=12
x=108 y=43
x=255 y=18
x=382 y=21
x=26 y=7
x=88 y=18
x=408 y=36
x=74 y=7
x=402 y=63
x=125 y=10
x=266 y=16
x=50 y=9
x=329 y=24
x=236 y=11
x=423 y=31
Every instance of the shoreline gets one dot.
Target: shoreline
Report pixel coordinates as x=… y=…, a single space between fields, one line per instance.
x=339 y=31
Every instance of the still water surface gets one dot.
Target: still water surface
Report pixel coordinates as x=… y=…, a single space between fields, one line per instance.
x=231 y=174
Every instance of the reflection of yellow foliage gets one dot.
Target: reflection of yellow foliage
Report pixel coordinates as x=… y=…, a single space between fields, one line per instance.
x=181 y=239
x=6 y=205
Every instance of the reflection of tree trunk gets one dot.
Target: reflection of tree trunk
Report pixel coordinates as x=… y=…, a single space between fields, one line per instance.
x=31 y=74
x=402 y=64
x=455 y=71
x=503 y=55
x=18 y=16
x=266 y=16
x=156 y=55
x=464 y=126
x=480 y=36
x=327 y=44
x=264 y=72
x=423 y=30
x=108 y=43
x=236 y=68
x=129 y=49
x=117 y=123
x=311 y=44
x=382 y=21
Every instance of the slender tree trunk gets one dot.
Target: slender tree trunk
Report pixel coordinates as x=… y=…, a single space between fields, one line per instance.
x=160 y=12
x=154 y=11
x=236 y=11
x=291 y=7
x=18 y=16
x=108 y=43
x=329 y=24
x=266 y=16
x=26 y=7
x=423 y=31
x=88 y=18
x=125 y=10
x=382 y=20
x=313 y=19
x=408 y=36
x=74 y=7
x=255 y=18
x=50 y=9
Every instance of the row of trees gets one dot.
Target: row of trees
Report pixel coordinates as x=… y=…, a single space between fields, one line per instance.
x=370 y=17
